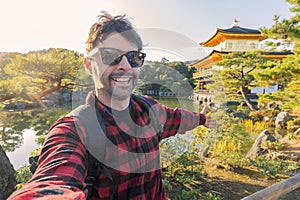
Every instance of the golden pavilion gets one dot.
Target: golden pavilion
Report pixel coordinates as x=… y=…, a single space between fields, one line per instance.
x=224 y=41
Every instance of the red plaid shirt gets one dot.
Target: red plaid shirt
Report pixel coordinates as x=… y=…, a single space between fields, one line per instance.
x=63 y=162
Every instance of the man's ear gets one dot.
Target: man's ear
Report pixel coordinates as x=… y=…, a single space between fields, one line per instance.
x=87 y=64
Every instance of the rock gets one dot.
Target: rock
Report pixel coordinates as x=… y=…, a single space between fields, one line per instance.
x=276 y=155
x=273 y=106
x=297 y=132
x=285 y=140
x=66 y=97
x=256 y=149
x=7 y=176
x=48 y=103
x=15 y=106
x=281 y=119
x=204 y=151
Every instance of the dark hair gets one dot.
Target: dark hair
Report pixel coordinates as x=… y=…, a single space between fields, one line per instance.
x=108 y=24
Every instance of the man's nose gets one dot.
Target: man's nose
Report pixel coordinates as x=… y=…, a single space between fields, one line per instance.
x=124 y=64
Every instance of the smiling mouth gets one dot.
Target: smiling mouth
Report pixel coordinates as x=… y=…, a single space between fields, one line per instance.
x=121 y=79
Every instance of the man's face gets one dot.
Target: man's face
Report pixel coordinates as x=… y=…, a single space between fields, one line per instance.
x=114 y=80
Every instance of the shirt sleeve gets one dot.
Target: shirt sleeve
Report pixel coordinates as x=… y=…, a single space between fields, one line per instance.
x=177 y=120
x=62 y=167
x=180 y=121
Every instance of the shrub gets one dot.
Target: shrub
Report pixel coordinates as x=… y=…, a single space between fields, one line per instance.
x=233 y=159
x=23 y=174
x=294 y=124
x=271 y=168
x=211 y=196
x=277 y=145
x=226 y=146
x=195 y=194
x=260 y=114
x=255 y=127
x=192 y=194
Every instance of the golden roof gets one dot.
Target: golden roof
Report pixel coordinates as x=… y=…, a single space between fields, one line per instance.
x=234 y=32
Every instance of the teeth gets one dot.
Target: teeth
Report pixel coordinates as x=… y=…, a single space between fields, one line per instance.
x=121 y=79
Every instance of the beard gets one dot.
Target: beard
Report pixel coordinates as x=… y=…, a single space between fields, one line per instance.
x=118 y=86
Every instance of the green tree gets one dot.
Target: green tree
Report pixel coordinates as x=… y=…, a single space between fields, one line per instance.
x=184 y=71
x=5 y=86
x=287 y=29
x=287 y=76
x=287 y=73
x=163 y=76
x=36 y=74
x=237 y=72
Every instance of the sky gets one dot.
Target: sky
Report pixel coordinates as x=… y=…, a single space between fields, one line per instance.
x=168 y=27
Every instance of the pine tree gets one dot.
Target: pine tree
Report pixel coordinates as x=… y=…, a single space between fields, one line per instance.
x=286 y=73
x=238 y=70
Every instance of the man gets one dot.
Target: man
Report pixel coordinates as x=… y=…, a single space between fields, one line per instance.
x=130 y=127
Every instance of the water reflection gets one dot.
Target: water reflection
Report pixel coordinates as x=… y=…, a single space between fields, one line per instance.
x=12 y=125
x=19 y=129
x=20 y=156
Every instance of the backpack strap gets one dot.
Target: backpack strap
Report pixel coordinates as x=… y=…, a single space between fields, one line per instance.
x=94 y=170
x=93 y=123
x=94 y=126
x=89 y=118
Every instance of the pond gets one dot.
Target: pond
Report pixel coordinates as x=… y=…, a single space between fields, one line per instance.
x=20 y=155
x=19 y=130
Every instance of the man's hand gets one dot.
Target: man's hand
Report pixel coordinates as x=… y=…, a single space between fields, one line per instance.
x=209 y=123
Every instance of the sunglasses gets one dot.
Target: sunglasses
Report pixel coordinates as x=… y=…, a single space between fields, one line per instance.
x=111 y=56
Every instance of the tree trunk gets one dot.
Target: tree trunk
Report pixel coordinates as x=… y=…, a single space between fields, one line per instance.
x=7 y=176
x=5 y=97
x=247 y=100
